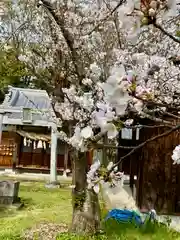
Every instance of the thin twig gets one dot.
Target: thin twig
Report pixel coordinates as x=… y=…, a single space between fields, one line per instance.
x=16 y=30
x=101 y=146
x=148 y=126
x=106 y=17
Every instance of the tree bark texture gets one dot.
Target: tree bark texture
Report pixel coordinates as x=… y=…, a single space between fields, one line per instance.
x=86 y=208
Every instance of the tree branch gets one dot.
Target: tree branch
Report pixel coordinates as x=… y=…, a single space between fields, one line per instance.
x=97 y=137
x=165 y=32
x=59 y=20
x=172 y=115
x=152 y=103
x=158 y=120
x=145 y=143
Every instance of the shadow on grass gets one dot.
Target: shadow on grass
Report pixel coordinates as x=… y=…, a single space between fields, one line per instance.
x=26 y=202
x=4 y=211
x=113 y=230
x=38 y=188
x=9 y=210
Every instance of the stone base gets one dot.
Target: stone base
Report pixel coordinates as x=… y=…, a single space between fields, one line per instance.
x=11 y=171
x=64 y=174
x=53 y=185
x=17 y=206
x=14 y=206
x=9 y=200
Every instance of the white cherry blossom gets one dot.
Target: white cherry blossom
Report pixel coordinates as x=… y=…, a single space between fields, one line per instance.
x=176 y=155
x=87 y=132
x=110 y=72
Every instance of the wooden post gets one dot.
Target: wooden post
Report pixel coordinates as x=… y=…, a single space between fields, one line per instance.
x=14 y=158
x=66 y=153
x=53 y=160
x=132 y=159
x=104 y=154
x=118 y=155
x=98 y=155
x=73 y=165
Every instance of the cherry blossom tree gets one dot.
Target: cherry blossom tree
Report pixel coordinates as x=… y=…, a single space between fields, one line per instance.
x=104 y=63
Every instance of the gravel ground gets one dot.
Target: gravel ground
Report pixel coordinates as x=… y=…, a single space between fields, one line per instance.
x=49 y=231
x=45 y=231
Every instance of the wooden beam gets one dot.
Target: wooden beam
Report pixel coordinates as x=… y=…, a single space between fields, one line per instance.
x=1 y=126
x=12 y=121
x=66 y=153
x=14 y=157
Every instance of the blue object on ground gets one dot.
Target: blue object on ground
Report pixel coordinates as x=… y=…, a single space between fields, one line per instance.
x=125 y=216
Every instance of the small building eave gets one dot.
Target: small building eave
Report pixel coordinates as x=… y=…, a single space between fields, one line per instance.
x=7 y=121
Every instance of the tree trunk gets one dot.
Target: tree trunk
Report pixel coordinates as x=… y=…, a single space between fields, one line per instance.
x=86 y=209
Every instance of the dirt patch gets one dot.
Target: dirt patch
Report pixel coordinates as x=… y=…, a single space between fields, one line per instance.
x=45 y=231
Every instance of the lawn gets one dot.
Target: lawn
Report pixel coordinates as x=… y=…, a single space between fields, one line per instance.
x=41 y=205
x=49 y=210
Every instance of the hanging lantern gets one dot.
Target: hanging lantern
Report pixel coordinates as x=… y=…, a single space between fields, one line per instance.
x=40 y=144
x=34 y=145
x=44 y=145
x=29 y=142
x=25 y=142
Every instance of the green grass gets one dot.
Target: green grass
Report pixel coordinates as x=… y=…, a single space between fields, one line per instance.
x=117 y=231
x=41 y=204
x=54 y=205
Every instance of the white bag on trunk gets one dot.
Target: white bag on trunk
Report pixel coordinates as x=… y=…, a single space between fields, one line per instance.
x=117 y=197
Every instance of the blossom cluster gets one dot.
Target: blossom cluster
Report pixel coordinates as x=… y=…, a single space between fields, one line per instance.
x=97 y=175
x=152 y=8
x=102 y=106
x=136 y=16
x=118 y=73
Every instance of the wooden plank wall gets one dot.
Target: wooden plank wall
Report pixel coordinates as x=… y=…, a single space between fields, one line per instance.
x=8 y=145
x=131 y=162
x=158 y=179
x=40 y=160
